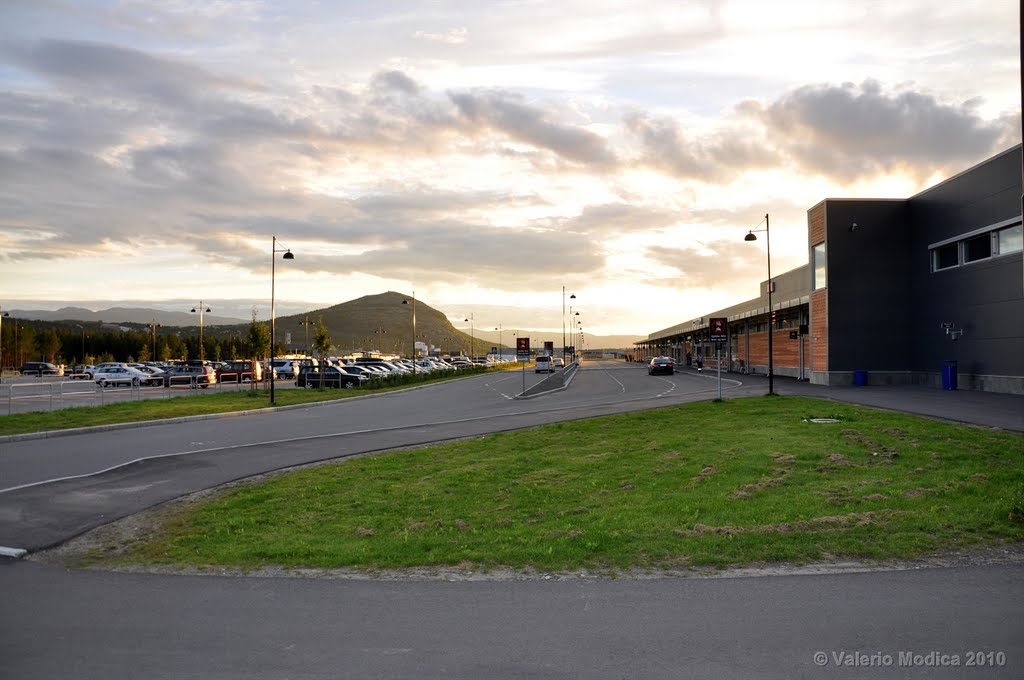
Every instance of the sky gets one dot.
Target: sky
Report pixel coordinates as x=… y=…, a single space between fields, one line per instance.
x=490 y=157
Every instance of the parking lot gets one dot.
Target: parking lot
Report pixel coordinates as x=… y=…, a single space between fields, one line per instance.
x=23 y=394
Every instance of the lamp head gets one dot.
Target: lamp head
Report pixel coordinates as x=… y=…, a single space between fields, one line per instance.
x=288 y=255
x=750 y=237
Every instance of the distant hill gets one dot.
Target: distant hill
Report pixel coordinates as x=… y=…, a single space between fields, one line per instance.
x=125 y=315
x=373 y=322
x=378 y=322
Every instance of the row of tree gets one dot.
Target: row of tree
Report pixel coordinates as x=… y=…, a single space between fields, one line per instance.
x=89 y=343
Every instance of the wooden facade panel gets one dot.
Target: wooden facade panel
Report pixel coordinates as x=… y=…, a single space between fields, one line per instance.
x=816 y=224
x=819 y=330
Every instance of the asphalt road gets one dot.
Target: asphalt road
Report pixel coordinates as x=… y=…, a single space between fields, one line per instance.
x=59 y=623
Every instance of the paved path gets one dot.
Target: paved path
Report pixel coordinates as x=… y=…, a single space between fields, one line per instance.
x=57 y=623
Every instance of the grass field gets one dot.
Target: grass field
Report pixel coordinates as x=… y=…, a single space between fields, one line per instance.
x=712 y=483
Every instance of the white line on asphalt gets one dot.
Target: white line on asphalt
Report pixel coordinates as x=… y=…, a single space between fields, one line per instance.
x=323 y=436
x=12 y=552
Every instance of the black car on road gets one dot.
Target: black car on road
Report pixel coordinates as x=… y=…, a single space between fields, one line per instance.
x=661 y=365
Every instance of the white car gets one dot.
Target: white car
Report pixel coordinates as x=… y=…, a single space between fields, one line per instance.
x=123 y=375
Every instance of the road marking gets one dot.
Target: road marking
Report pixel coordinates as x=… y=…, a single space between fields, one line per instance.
x=12 y=552
x=330 y=435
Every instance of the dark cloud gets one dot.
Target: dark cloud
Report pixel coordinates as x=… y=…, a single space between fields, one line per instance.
x=722 y=157
x=852 y=131
x=108 y=70
x=509 y=114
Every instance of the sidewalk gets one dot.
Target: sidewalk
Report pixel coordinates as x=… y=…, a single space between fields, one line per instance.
x=989 y=409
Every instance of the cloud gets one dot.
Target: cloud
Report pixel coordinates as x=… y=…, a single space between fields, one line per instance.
x=509 y=114
x=453 y=36
x=852 y=131
x=98 y=69
x=720 y=265
x=718 y=157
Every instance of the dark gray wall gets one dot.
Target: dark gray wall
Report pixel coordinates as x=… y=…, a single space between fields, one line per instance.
x=986 y=298
x=869 y=284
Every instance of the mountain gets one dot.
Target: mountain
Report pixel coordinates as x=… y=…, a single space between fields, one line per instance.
x=125 y=315
x=378 y=322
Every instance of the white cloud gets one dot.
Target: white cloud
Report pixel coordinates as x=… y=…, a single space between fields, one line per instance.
x=486 y=154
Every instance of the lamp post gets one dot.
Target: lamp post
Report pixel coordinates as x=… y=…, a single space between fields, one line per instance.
x=153 y=326
x=405 y=302
x=573 y=319
x=472 y=338
x=273 y=323
x=200 y=327
x=571 y=297
x=1 y=343
x=500 y=353
x=305 y=324
x=768 y=242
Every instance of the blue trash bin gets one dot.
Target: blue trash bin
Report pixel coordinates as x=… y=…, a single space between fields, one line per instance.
x=860 y=378
x=949 y=375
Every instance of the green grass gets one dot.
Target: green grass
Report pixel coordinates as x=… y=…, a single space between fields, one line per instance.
x=734 y=482
x=197 y=404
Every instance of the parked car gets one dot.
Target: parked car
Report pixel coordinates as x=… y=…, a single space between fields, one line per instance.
x=559 y=362
x=544 y=364
x=40 y=368
x=240 y=370
x=124 y=375
x=661 y=365
x=285 y=368
x=193 y=376
x=80 y=371
x=309 y=377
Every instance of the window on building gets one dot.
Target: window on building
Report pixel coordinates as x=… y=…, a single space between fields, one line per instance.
x=947 y=256
x=1010 y=240
x=978 y=248
x=820 y=267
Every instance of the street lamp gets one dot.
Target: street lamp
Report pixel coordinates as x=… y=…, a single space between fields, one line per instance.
x=472 y=338
x=273 y=321
x=200 y=327
x=405 y=302
x=571 y=297
x=768 y=242
x=573 y=319
x=305 y=323
x=501 y=355
x=153 y=326
x=1 y=343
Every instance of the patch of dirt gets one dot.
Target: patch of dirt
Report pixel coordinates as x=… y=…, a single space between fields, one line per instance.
x=785 y=463
x=705 y=472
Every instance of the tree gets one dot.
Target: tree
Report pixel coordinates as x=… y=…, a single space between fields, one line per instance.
x=322 y=344
x=258 y=338
x=48 y=344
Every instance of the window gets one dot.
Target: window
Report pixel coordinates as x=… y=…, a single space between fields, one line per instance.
x=978 y=245
x=820 y=266
x=947 y=256
x=1009 y=240
x=978 y=248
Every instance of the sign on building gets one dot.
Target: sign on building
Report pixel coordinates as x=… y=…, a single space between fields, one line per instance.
x=719 y=329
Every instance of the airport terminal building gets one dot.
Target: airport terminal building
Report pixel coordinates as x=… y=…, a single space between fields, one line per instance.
x=925 y=290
